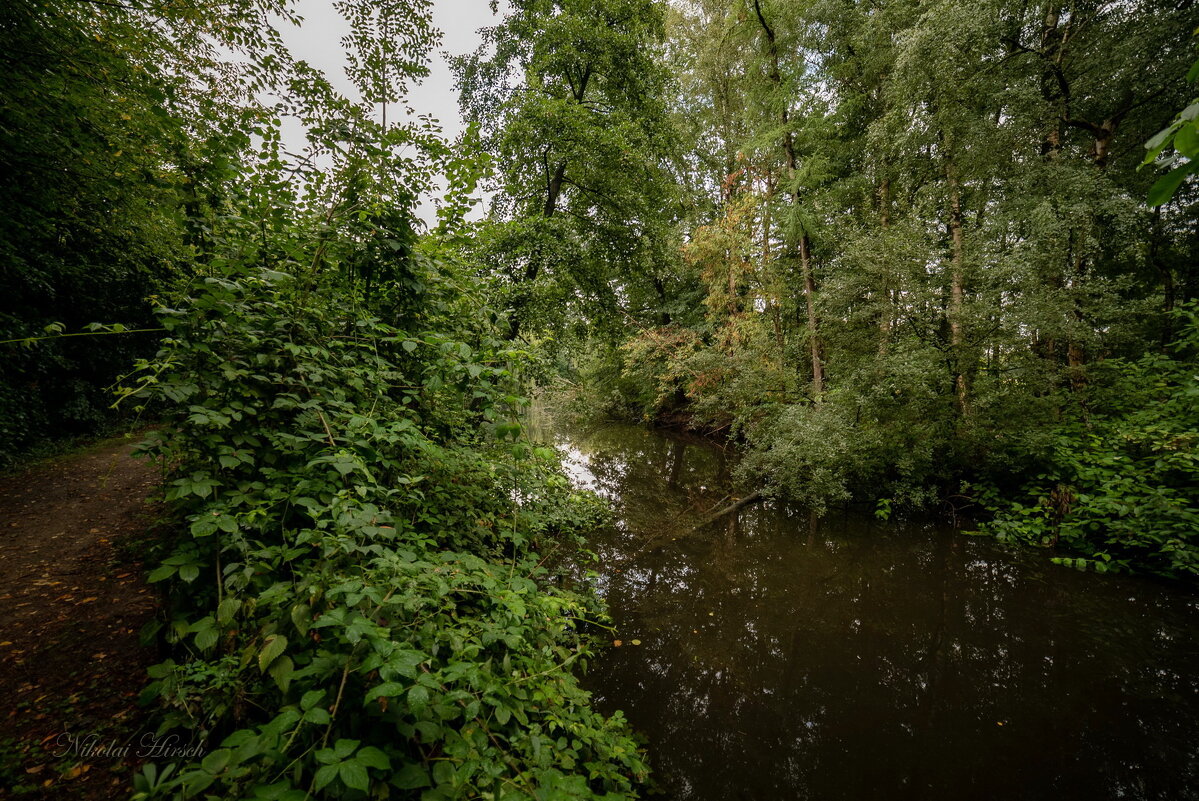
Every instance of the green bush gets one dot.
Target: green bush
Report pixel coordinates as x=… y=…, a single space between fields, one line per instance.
x=1119 y=488
x=355 y=604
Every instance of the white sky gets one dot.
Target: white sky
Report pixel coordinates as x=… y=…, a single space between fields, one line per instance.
x=318 y=41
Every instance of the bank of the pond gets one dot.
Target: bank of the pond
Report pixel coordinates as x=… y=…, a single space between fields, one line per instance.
x=781 y=656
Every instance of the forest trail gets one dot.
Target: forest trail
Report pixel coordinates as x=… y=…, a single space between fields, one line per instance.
x=74 y=600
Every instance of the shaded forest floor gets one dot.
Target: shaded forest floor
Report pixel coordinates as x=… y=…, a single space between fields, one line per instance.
x=73 y=599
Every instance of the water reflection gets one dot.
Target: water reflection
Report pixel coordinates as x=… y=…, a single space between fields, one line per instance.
x=784 y=657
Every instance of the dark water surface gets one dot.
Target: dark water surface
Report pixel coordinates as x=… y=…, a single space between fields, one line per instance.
x=786 y=658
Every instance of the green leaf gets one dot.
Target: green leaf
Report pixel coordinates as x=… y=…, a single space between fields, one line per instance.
x=343 y=748
x=217 y=761
x=389 y=689
x=227 y=610
x=443 y=773
x=325 y=775
x=318 y=716
x=373 y=758
x=1186 y=141
x=301 y=618
x=1158 y=142
x=1168 y=184
x=275 y=645
x=281 y=671
x=206 y=639
x=311 y=699
x=418 y=696
x=161 y=573
x=411 y=777
x=203 y=528
x=354 y=775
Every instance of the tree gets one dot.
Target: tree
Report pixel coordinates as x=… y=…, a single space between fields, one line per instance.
x=568 y=97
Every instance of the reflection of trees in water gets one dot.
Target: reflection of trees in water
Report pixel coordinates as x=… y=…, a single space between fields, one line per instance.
x=787 y=659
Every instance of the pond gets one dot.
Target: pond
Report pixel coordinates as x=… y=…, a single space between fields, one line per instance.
x=783 y=657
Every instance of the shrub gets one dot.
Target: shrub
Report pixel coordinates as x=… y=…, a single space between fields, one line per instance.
x=355 y=604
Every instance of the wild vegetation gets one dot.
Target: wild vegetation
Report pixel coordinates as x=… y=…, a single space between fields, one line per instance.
x=927 y=257
x=906 y=254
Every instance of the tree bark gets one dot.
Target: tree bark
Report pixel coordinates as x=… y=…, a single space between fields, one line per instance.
x=957 y=291
x=885 y=313
x=809 y=281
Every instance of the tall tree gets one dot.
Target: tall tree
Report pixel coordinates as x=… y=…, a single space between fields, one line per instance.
x=568 y=96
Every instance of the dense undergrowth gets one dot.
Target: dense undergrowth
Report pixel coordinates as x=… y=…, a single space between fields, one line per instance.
x=1102 y=473
x=355 y=606
x=1117 y=485
x=876 y=245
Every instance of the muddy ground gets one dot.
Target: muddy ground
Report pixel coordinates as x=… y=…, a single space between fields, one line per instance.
x=72 y=603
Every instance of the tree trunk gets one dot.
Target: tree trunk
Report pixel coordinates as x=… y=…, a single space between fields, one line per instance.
x=553 y=190
x=809 y=280
x=957 y=292
x=805 y=259
x=885 y=314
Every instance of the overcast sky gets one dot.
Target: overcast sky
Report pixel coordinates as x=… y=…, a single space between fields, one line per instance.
x=318 y=41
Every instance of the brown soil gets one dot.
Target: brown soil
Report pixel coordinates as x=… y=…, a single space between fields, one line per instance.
x=72 y=602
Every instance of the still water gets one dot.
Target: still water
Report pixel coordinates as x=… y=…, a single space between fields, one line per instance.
x=786 y=658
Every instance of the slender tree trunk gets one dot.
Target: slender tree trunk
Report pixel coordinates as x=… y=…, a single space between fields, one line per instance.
x=1167 y=275
x=885 y=314
x=957 y=291
x=775 y=312
x=809 y=280
x=805 y=260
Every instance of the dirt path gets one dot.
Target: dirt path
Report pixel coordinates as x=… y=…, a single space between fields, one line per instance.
x=72 y=602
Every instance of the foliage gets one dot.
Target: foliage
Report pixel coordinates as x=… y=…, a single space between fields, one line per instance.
x=1181 y=135
x=919 y=242
x=354 y=599
x=356 y=605
x=140 y=141
x=568 y=97
x=655 y=367
x=1119 y=485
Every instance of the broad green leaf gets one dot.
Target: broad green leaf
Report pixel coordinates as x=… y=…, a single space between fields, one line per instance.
x=389 y=689
x=1186 y=141
x=281 y=670
x=354 y=775
x=275 y=645
x=161 y=573
x=216 y=761
x=1167 y=185
x=311 y=699
x=344 y=747
x=325 y=775
x=373 y=758
x=227 y=610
